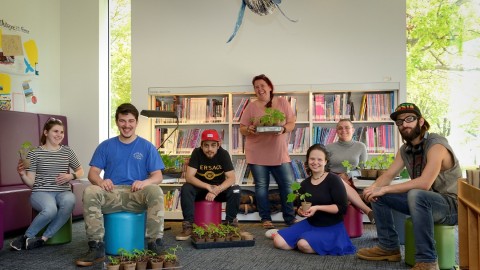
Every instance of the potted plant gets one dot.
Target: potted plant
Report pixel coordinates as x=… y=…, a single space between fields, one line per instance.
x=220 y=233
x=370 y=168
x=384 y=161
x=127 y=259
x=210 y=232
x=173 y=165
x=198 y=233
x=302 y=196
x=234 y=233
x=156 y=261
x=141 y=258
x=25 y=147
x=113 y=263
x=272 y=117
x=171 y=258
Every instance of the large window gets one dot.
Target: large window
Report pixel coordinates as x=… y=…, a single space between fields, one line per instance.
x=120 y=57
x=443 y=70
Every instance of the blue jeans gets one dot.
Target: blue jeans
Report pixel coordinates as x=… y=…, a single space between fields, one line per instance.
x=426 y=208
x=54 y=209
x=283 y=175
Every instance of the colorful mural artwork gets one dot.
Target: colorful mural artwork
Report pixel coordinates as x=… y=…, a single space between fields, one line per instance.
x=19 y=58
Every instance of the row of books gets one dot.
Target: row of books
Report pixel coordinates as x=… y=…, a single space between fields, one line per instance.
x=193 y=109
x=299 y=171
x=171 y=200
x=377 y=139
x=245 y=100
x=182 y=141
x=332 y=107
x=299 y=140
x=377 y=107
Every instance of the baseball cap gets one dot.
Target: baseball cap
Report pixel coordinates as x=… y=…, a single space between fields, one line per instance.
x=210 y=135
x=405 y=108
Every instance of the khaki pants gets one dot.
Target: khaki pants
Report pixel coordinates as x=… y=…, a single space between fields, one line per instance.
x=97 y=202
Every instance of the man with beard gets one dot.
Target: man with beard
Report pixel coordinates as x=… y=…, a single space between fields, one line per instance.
x=210 y=176
x=429 y=197
x=132 y=171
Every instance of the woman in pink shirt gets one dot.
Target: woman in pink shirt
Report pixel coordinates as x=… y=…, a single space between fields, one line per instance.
x=268 y=152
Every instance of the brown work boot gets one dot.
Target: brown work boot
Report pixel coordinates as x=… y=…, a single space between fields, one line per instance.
x=426 y=266
x=379 y=254
x=186 y=232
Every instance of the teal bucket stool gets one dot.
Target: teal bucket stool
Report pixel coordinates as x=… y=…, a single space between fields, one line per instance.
x=445 y=246
x=124 y=230
x=62 y=236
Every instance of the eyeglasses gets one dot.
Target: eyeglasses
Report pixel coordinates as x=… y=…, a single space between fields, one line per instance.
x=407 y=119
x=51 y=119
x=343 y=128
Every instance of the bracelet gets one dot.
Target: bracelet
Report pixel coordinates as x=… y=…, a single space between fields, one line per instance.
x=284 y=130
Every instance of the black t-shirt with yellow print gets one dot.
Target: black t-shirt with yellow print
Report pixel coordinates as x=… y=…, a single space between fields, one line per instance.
x=212 y=170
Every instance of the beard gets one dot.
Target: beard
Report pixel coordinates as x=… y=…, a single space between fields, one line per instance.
x=410 y=136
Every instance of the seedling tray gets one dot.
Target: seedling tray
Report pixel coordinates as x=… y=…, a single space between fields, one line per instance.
x=265 y=129
x=226 y=244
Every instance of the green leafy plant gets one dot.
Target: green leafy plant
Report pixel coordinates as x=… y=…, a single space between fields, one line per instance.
x=172 y=162
x=296 y=193
x=348 y=166
x=25 y=147
x=271 y=117
x=125 y=255
x=114 y=260
x=385 y=160
x=198 y=231
x=171 y=253
x=142 y=255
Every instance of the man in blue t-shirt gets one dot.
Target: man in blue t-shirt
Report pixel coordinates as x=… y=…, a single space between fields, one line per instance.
x=132 y=171
x=210 y=176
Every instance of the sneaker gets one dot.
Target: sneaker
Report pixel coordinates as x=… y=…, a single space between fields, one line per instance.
x=271 y=233
x=371 y=217
x=95 y=253
x=377 y=253
x=19 y=243
x=426 y=266
x=186 y=232
x=34 y=242
x=156 y=246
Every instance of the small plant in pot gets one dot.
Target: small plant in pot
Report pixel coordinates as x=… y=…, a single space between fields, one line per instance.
x=198 y=233
x=171 y=258
x=113 y=263
x=141 y=258
x=302 y=196
x=234 y=233
x=155 y=261
x=384 y=161
x=25 y=147
x=127 y=259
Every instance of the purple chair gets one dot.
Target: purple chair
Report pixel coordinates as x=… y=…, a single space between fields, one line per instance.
x=2 y=215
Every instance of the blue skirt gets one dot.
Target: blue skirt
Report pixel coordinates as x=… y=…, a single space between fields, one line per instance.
x=331 y=240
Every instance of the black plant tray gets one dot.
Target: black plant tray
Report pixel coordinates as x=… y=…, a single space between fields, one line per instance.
x=226 y=244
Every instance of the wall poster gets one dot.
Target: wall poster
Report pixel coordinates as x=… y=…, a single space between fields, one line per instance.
x=19 y=59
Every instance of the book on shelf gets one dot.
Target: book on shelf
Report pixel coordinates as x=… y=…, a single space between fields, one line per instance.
x=241 y=107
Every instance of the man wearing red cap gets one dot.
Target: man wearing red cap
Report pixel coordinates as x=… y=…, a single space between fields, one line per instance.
x=210 y=176
x=429 y=197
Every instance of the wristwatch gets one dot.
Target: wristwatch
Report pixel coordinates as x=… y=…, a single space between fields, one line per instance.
x=74 y=176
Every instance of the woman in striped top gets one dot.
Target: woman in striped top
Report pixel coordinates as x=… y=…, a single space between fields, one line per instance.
x=49 y=177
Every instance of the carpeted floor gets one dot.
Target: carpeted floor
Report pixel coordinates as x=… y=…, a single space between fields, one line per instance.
x=261 y=256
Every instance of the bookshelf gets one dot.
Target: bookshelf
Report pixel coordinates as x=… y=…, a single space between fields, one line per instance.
x=318 y=108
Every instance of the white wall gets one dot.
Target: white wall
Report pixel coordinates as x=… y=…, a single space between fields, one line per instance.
x=183 y=43
x=67 y=34
x=42 y=20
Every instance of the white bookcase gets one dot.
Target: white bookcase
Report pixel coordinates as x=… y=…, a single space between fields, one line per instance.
x=318 y=108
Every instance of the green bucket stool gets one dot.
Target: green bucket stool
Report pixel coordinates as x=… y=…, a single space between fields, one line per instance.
x=62 y=236
x=445 y=246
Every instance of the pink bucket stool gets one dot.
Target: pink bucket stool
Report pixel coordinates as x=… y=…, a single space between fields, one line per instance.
x=353 y=222
x=207 y=212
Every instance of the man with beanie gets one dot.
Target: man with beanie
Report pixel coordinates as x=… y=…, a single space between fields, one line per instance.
x=210 y=176
x=430 y=196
